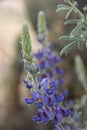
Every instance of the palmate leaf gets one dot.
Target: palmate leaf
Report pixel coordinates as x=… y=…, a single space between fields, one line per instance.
x=68 y=47
x=62 y=7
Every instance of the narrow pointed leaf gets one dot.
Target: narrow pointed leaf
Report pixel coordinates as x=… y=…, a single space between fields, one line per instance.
x=68 y=47
x=68 y=13
x=76 y=29
x=67 y=38
x=62 y=7
x=71 y=21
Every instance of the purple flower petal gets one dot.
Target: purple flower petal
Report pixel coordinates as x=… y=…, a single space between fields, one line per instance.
x=57 y=128
x=67 y=127
x=67 y=112
x=29 y=101
x=60 y=97
x=36 y=118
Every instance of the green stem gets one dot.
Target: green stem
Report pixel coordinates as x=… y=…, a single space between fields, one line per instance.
x=77 y=11
x=62 y=128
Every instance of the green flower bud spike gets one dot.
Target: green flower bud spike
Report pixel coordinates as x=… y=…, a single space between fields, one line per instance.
x=30 y=66
x=26 y=45
x=42 y=28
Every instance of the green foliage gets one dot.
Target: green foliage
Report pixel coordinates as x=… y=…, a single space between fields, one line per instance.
x=81 y=71
x=81 y=105
x=78 y=35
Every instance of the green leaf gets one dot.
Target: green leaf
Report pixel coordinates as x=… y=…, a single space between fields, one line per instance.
x=80 y=45
x=68 y=13
x=62 y=7
x=67 y=38
x=81 y=71
x=76 y=30
x=71 y=21
x=68 y=47
x=84 y=100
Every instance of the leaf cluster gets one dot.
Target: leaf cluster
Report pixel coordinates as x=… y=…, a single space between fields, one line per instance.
x=78 y=35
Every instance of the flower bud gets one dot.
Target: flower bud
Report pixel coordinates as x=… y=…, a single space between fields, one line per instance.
x=33 y=68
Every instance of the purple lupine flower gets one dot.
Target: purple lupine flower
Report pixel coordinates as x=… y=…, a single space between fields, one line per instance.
x=58 y=71
x=43 y=115
x=67 y=112
x=57 y=128
x=46 y=115
x=58 y=112
x=48 y=86
x=42 y=64
x=44 y=92
x=50 y=100
x=67 y=127
x=39 y=55
x=37 y=118
x=40 y=102
x=46 y=99
x=29 y=86
x=59 y=81
x=59 y=97
x=46 y=95
x=48 y=59
x=29 y=100
x=33 y=97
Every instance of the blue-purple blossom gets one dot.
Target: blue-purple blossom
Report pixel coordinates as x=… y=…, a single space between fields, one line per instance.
x=40 y=102
x=58 y=71
x=43 y=115
x=48 y=62
x=29 y=100
x=58 y=112
x=59 y=97
x=33 y=97
x=29 y=86
x=48 y=86
x=50 y=100
x=67 y=112
x=57 y=128
x=47 y=98
x=67 y=127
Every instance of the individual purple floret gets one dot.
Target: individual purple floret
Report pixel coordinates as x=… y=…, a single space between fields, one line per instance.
x=57 y=128
x=67 y=127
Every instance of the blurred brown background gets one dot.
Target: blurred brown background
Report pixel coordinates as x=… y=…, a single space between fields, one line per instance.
x=13 y=112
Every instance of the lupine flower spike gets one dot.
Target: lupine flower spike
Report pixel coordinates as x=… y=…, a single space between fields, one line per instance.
x=42 y=93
